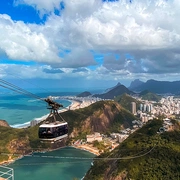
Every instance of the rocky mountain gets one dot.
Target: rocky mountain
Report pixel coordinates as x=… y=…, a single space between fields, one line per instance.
x=114 y=92
x=134 y=84
x=4 y=123
x=159 y=87
x=102 y=116
x=145 y=154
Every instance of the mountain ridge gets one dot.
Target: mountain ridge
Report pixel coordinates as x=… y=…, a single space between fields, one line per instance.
x=113 y=92
x=159 y=87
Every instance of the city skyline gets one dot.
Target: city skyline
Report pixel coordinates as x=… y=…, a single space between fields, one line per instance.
x=89 y=43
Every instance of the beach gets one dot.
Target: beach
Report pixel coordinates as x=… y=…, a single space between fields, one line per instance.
x=74 y=103
x=88 y=148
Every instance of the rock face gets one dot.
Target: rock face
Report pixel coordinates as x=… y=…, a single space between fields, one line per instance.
x=106 y=116
x=134 y=84
x=4 y=123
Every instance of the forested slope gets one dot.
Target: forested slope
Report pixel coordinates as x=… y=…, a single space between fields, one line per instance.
x=150 y=156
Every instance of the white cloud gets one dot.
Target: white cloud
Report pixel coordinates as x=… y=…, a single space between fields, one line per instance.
x=149 y=31
x=19 y=42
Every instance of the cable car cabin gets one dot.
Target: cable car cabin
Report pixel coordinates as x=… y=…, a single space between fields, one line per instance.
x=53 y=131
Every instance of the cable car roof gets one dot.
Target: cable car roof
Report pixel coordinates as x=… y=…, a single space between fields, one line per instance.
x=53 y=124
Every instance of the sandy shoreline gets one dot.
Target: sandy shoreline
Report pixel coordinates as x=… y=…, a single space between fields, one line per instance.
x=75 y=104
x=87 y=148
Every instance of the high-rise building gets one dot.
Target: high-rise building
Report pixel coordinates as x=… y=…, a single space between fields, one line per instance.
x=141 y=107
x=144 y=108
x=133 y=107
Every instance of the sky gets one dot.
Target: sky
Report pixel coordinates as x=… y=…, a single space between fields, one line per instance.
x=89 y=43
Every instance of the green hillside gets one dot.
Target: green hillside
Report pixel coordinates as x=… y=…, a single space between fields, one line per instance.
x=125 y=101
x=19 y=141
x=102 y=116
x=84 y=94
x=152 y=156
x=146 y=95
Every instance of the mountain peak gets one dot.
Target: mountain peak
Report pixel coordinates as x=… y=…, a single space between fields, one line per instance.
x=109 y=89
x=113 y=92
x=135 y=84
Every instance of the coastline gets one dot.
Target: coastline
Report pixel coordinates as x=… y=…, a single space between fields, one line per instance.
x=75 y=104
x=87 y=148
x=10 y=161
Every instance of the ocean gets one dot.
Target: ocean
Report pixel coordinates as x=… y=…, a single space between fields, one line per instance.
x=18 y=110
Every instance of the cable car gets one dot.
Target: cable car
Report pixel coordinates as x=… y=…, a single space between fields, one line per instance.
x=53 y=130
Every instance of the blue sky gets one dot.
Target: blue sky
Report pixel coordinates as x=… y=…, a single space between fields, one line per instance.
x=89 y=43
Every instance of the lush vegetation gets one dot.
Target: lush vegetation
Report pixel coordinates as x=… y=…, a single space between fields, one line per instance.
x=160 y=156
x=146 y=95
x=125 y=100
x=19 y=141
x=25 y=140
x=94 y=112
x=100 y=146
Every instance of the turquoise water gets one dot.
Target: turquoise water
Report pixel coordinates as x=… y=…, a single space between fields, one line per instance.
x=18 y=109
x=37 y=168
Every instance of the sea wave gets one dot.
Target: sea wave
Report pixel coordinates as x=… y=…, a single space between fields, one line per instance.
x=26 y=124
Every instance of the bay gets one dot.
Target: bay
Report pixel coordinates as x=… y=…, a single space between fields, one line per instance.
x=63 y=167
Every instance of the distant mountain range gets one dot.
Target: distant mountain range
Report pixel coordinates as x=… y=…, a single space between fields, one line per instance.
x=159 y=87
x=147 y=90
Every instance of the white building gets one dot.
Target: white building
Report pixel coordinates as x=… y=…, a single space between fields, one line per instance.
x=133 y=107
x=33 y=123
x=94 y=137
x=122 y=137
